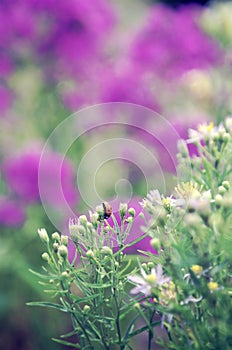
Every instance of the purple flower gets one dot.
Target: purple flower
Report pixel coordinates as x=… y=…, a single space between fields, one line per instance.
x=128 y=86
x=21 y=174
x=172 y=43
x=11 y=212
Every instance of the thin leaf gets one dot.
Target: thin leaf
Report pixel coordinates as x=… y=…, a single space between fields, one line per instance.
x=60 y=341
x=47 y=304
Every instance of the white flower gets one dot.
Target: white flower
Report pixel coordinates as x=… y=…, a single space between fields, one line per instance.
x=155 y=199
x=204 y=132
x=147 y=282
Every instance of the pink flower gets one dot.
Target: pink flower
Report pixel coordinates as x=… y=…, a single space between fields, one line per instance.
x=22 y=176
x=11 y=212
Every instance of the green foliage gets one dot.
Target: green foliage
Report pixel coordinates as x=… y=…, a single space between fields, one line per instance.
x=186 y=287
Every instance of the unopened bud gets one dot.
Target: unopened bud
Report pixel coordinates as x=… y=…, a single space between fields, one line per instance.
x=123 y=209
x=55 y=247
x=43 y=235
x=56 y=236
x=63 y=251
x=46 y=257
x=106 y=250
x=64 y=274
x=226 y=137
x=94 y=218
x=226 y=185
x=155 y=243
x=136 y=305
x=83 y=220
x=131 y=211
x=218 y=199
x=150 y=265
x=86 y=309
x=64 y=240
x=90 y=254
x=221 y=190
x=129 y=220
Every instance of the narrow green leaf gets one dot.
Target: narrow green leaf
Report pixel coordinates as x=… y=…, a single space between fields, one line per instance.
x=60 y=341
x=47 y=304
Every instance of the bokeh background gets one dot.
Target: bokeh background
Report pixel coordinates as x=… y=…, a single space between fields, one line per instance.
x=57 y=57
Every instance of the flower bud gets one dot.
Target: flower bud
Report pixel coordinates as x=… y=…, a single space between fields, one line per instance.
x=218 y=199
x=94 y=218
x=226 y=185
x=46 y=257
x=43 y=235
x=106 y=250
x=55 y=247
x=64 y=240
x=226 y=137
x=90 y=226
x=131 y=211
x=150 y=265
x=56 y=236
x=221 y=190
x=73 y=230
x=83 y=220
x=228 y=124
x=100 y=210
x=122 y=209
x=90 y=254
x=86 y=309
x=136 y=305
x=64 y=274
x=155 y=243
x=129 y=220
x=193 y=220
x=63 y=251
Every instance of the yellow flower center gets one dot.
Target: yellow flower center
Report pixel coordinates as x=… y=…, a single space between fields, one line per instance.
x=213 y=286
x=151 y=279
x=197 y=269
x=188 y=189
x=204 y=128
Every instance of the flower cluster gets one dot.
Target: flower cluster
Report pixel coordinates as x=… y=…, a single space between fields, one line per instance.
x=186 y=288
x=193 y=237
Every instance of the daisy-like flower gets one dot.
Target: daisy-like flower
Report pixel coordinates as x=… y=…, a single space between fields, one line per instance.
x=155 y=199
x=146 y=283
x=207 y=132
x=204 y=132
x=194 y=197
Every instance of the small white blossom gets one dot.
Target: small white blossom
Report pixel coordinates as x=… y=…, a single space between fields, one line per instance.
x=155 y=199
x=147 y=282
x=204 y=132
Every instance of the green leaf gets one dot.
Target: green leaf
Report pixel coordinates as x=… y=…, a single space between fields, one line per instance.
x=60 y=341
x=78 y=299
x=47 y=304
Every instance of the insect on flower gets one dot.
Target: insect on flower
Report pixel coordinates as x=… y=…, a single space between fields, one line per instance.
x=107 y=210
